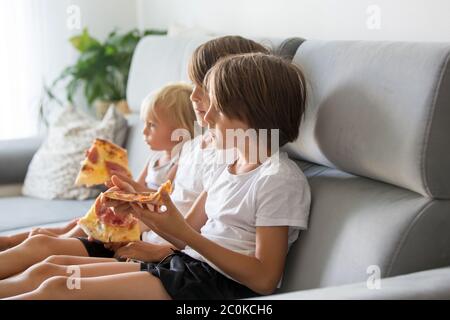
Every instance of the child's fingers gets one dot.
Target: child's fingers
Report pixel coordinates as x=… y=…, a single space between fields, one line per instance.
x=136 y=186
x=142 y=212
x=121 y=174
x=167 y=201
x=122 y=184
x=109 y=184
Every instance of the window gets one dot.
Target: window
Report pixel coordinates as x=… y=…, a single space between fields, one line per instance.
x=33 y=50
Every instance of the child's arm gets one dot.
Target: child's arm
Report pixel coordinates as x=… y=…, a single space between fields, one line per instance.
x=172 y=173
x=141 y=179
x=260 y=273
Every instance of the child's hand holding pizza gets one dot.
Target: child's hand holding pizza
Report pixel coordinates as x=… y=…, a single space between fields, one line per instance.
x=162 y=216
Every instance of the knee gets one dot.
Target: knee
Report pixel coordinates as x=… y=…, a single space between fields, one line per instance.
x=42 y=270
x=39 y=240
x=53 y=286
x=54 y=259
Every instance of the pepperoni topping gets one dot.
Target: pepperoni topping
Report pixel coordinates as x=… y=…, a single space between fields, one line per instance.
x=86 y=168
x=107 y=216
x=93 y=155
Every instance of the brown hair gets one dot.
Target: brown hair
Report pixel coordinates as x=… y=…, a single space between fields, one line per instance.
x=264 y=91
x=206 y=55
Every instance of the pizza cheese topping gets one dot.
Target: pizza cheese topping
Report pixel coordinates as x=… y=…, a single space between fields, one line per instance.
x=101 y=160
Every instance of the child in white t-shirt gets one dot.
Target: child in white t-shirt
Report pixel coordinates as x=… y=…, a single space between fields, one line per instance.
x=235 y=238
x=252 y=210
x=195 y=164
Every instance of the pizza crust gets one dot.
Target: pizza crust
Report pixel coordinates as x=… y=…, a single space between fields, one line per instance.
x=142 y=197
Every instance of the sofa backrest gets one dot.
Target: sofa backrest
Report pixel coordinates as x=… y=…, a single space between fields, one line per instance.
x=380 y=110
x=375 y=145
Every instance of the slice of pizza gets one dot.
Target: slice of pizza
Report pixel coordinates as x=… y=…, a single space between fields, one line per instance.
x=102 y=224
x=103 y=157
x=142 y=197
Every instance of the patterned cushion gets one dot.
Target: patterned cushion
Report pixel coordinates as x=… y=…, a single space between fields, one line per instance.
x=53 y=170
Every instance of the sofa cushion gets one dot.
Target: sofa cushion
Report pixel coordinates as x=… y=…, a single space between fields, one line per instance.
x=54 y=168
x=356 y=223
x=19 y=213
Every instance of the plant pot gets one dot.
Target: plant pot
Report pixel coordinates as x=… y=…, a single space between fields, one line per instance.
x=102 y=106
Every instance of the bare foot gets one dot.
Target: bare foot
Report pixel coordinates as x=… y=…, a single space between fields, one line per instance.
x=4 y=243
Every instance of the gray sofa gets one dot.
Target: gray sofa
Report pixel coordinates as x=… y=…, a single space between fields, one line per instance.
x=374 y=145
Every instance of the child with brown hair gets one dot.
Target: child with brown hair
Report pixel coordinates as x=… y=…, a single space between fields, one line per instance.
x=235 y=238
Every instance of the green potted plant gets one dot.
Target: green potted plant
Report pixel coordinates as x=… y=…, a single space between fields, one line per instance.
x=102 y=69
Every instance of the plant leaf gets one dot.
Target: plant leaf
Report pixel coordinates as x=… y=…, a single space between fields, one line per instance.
x=84 y=41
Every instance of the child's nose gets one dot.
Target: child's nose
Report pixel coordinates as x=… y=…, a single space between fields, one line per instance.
x=194 y=96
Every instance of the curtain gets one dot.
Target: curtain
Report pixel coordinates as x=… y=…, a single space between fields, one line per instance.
x=33 y=43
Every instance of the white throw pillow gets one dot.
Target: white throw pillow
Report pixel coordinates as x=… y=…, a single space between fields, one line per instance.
x=54 y=168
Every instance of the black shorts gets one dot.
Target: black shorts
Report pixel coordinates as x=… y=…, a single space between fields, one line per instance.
x=96 y=248
x=186 y=278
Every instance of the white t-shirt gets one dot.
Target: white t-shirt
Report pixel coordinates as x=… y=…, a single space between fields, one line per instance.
x=195 y=165
x=157 y=174
x=274 y=194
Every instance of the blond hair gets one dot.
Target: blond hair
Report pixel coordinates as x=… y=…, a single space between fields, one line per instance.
x=175 y=98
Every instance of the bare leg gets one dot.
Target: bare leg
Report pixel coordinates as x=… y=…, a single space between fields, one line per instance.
x=133 y=286
x=71 y=229
x=74 y=260
x=36 y=249
x=34 y=276
x=8 y=242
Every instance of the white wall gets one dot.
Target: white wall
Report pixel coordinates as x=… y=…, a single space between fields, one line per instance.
x=401 y=20
x=99 y=16
x=102 y=16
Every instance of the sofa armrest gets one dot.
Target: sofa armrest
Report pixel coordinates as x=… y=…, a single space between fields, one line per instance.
x=15 y=156
x=10 y=190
